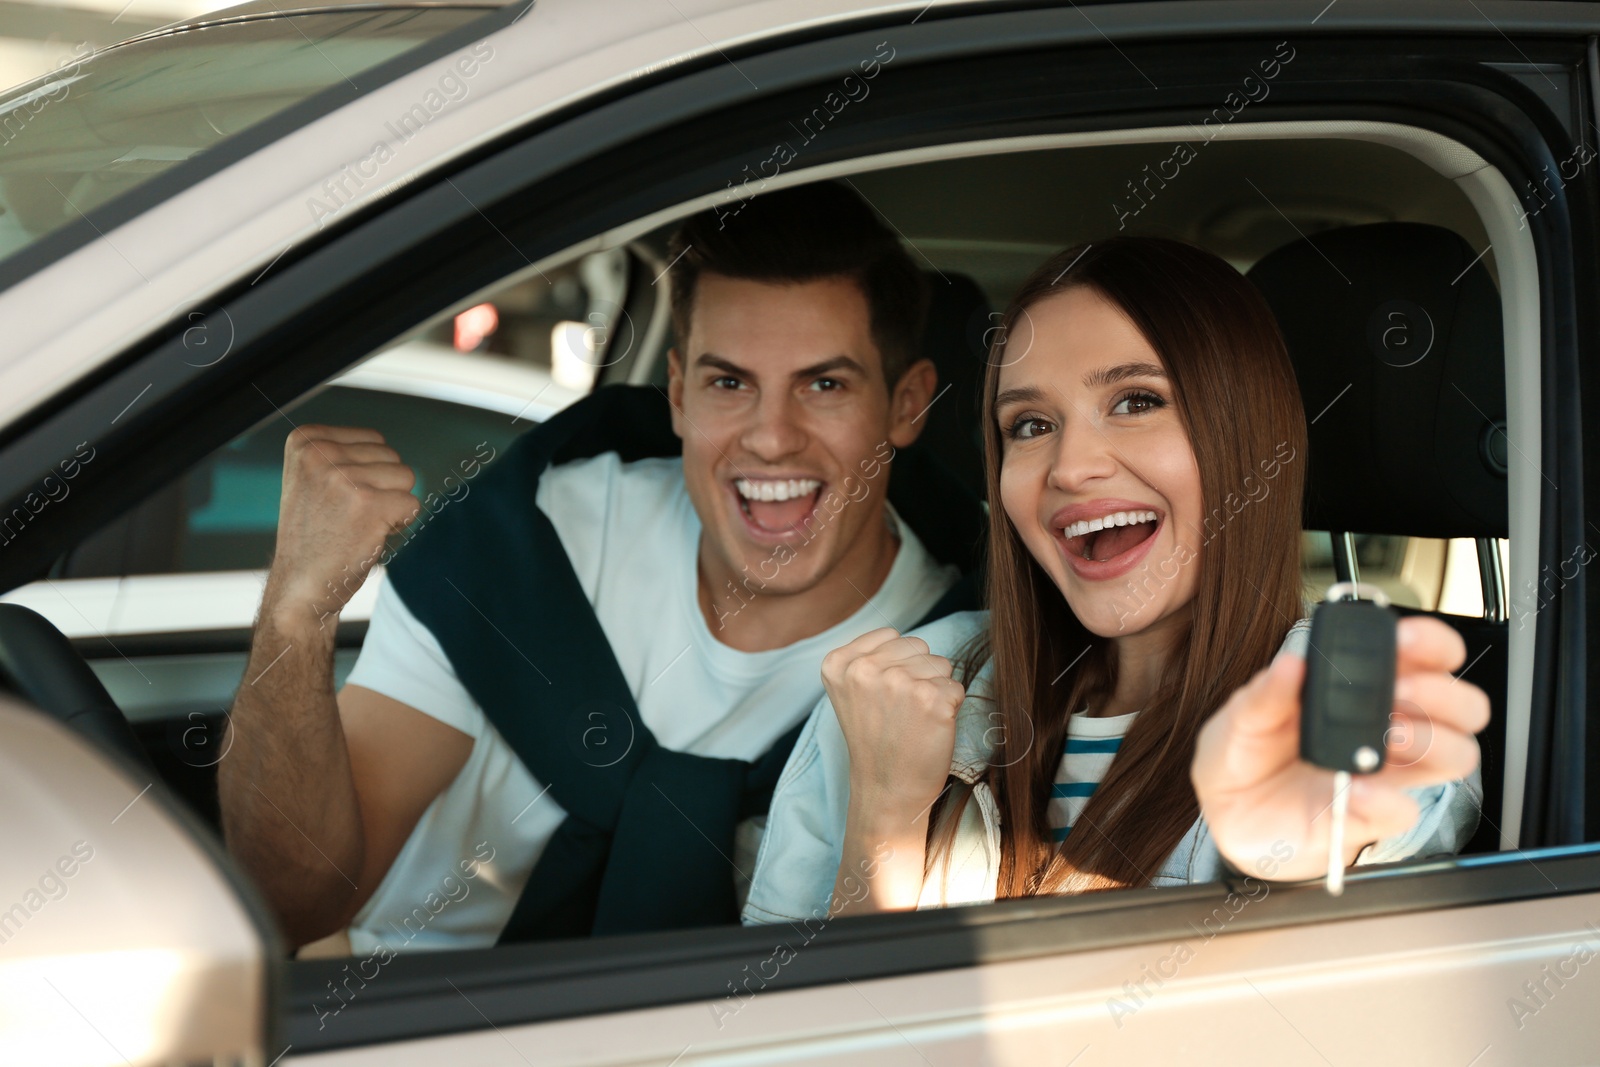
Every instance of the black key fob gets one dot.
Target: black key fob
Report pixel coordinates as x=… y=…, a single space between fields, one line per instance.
x=1349 y=685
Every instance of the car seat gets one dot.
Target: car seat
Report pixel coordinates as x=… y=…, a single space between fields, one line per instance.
x=1395 y=334
x=955 y=338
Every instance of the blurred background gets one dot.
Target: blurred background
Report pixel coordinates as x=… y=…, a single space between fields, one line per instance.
x=36 y=37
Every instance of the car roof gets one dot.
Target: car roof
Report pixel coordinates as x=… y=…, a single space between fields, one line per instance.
x=69 y=316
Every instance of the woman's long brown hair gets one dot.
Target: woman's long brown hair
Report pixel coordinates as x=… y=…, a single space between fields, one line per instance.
x=1235 y=391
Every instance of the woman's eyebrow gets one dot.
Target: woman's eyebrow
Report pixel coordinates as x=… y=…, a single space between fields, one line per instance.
x=1025 y=394
x=1122 y=372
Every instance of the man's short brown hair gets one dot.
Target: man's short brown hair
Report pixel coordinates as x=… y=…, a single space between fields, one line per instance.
x=803 y=234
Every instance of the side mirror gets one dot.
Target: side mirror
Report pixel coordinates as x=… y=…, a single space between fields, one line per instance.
x=126 y=937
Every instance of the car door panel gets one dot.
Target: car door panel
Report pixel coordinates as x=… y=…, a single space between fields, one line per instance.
x=1259 y=975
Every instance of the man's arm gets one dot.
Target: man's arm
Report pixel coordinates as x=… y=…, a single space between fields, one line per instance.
x=401 y=760
x=319 y=793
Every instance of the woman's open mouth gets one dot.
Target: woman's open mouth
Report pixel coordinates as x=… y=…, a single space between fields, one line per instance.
x=777 y=508
x=1109 y=546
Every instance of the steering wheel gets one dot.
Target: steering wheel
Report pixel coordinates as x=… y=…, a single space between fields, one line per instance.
x=39 y=664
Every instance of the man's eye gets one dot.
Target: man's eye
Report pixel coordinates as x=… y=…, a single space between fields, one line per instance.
x=827 y=385
x=725 y=381
x=1029 y=426
x=1137 y=403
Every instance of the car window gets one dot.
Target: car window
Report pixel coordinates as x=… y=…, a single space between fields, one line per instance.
x=1426 y=573
x=462 y=385
x=232 y=513
x=111 y=121
x=574 y=321
x=223 y=514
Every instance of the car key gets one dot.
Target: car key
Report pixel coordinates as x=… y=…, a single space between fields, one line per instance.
x=1347 y=697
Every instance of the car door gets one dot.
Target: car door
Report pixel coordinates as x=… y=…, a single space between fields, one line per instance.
x=1479 y=959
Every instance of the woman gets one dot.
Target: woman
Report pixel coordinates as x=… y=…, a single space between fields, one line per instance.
x=1145 y=453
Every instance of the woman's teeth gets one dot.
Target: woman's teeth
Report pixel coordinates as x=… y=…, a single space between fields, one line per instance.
x=1121 y=518
x=776 y=490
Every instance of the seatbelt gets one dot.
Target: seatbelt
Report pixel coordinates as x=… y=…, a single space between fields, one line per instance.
x=648 y=839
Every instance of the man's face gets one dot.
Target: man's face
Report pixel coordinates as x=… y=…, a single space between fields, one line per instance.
x=787 y=426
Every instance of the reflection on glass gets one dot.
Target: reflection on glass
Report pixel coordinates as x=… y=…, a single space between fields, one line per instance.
x=110 y=122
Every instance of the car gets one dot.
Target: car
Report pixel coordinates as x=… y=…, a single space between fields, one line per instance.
x=321 y=183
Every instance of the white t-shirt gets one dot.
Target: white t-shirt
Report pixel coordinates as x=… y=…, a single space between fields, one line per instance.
x=1091 y=745
x=633 y=539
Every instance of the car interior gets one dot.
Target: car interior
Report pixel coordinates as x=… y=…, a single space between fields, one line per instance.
x=1329 y=228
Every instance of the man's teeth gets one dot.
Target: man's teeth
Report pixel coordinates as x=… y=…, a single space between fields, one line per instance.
x=1121 y=518
x=776 y=490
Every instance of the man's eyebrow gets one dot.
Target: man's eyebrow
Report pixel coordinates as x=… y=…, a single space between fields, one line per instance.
x=706 y=359
x=1026 y=394
x=836 y=363
x=1122 y=372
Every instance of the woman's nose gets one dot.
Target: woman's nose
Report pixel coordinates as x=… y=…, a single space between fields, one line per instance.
x=1083 y=455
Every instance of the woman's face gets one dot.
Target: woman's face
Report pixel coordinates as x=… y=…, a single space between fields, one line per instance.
x=1097 y=473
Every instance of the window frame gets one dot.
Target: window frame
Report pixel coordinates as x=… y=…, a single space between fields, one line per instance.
x=292 y=315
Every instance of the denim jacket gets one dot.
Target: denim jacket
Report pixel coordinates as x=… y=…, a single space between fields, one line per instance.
x=804 y=838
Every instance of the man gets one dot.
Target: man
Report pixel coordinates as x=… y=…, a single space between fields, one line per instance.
x=704 y=592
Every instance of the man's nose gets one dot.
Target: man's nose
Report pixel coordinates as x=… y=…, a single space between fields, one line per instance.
x=776 y=427
x=1083 y=456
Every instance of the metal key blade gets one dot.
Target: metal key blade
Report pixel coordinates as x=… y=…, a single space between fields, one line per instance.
x=1341 y=806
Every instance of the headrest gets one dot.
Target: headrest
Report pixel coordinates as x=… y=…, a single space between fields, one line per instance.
x=955 y=338
x=1394 y=331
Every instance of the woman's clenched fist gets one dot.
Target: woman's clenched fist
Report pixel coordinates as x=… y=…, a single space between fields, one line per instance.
x=896 y=703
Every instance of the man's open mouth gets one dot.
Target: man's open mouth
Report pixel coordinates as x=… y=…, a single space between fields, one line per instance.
x=1110 y=536
x=777 y=505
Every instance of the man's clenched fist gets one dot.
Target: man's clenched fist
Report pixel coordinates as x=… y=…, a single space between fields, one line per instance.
x=344 y=493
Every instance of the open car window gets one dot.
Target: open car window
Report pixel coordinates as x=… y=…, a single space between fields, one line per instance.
x=505 y=357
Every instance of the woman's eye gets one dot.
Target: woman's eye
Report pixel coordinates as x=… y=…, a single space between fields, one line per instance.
x=1137 y=404
x=1030 y=426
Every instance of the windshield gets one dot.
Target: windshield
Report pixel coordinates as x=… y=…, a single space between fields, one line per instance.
x=110 y=122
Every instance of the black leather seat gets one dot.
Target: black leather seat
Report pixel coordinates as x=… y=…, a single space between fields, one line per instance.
x=1395 y=334
x=956 y=340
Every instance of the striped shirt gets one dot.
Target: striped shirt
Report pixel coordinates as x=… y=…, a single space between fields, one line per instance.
x=1091 y=745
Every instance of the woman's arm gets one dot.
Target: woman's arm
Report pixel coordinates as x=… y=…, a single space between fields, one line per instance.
x=1257 y=795
x=881 y=869
x=896 y=703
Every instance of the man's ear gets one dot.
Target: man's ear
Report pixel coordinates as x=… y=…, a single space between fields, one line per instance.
x=675 y=389
x=909 y=404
